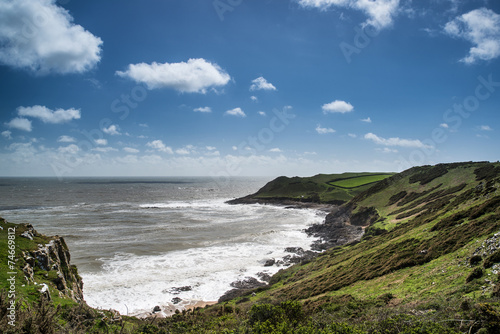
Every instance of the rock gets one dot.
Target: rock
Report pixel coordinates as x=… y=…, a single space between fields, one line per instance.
x=177 y=290
x=265 y=277
x=270 y=263
x=55 y=256
x=156 y=309
x=247 y=283
x=176 y=300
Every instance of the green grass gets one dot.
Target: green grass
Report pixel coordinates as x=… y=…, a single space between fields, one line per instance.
x=358 y=181
x=321 y=188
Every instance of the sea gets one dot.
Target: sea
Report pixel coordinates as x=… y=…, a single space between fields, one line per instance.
x=169 y=242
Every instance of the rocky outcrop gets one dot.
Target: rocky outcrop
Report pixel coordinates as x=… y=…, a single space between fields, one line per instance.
x=53 y=258
x=341 y=227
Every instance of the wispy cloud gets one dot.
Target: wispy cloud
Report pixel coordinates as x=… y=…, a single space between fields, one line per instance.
x=193 y=76
x=203 y=109
x=323 y=131
x=395 y=141
x=7 y=134
x=366 y=120
x=380 y=12
x=485 y=128
x=481 y=27
x=47 y=115
x=261 y=84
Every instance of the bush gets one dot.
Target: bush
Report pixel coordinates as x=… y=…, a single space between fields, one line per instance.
x=476 y=273
x=492 y=259
x=475 y=260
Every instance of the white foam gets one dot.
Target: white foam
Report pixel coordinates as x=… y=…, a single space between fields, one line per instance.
x=128 y=282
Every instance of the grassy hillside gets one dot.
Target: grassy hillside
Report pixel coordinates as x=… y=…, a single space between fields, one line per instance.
x=429 y=262
x=321 y=188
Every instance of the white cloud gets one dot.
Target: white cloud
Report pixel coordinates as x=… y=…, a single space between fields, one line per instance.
x=203 y=109
x=235 y=148
x=387 y=150
x=366 y=120
x=7 y=134
x=195 y=76
x=70 y=149
x=160 y=146
x=254 y=98
x=337 y=107
x=481 y=27
x=40 y=36
x=182 y=151
x=380 y=12
x=20 y=123
x=323 y=131
x=444 y=125
x=66 y=139
x=395 y=141
x=211 y=148
x=47 y=115
x=143 y=125
x=261 y=113
x=261 y=84
x=275 y=150
x=485 y=128
x=102 y=142
x=352 y=135
x=131 y=150
x=113 y=130
x=236 y=112
x=104 y=149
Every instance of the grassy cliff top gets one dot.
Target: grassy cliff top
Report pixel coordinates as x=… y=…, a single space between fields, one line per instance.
x=321 y=188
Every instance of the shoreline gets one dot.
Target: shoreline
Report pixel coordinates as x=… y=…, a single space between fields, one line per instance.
x=166 y=311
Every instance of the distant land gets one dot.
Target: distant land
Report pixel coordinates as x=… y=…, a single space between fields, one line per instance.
x=321 y=188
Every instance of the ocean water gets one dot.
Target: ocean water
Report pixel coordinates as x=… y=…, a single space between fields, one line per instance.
x=136 y=241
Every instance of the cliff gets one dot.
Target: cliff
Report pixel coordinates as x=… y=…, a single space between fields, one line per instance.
x=41 y=264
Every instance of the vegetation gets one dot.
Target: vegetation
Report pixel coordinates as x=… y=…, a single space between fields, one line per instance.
x=427 y=264
x=321 y=188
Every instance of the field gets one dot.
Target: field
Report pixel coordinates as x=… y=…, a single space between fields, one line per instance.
x=321 y=188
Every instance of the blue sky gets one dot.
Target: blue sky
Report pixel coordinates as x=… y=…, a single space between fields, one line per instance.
x=236 y=87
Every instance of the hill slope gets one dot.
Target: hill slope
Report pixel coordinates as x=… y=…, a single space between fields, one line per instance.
x=321 y=188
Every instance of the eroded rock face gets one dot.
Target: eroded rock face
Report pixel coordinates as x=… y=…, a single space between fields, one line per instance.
x=54 y=258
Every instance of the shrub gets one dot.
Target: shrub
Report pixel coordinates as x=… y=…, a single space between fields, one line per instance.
x=476 y=273
x=492 y=259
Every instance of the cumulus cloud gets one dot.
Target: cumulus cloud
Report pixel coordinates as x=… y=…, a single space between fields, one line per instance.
x=40 y=36
x=380 y=12
x=203 y=109
x=254 y=98
x=66 y=139
x=395 y=141
x=102 y=142
x=236 y=112
x=323 y=131
x=20 y=123
x=261 y=113
x=47 y=115
x=275 y=150
x=261 y=84
x=193 y=76
x=337 y=106
x=366 y=120
x=113 y=130
x=160 y=146
x=481 y=27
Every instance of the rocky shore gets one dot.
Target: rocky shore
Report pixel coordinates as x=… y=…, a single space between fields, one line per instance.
x=340 y=227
